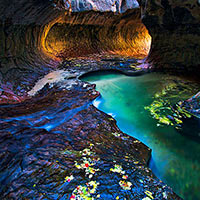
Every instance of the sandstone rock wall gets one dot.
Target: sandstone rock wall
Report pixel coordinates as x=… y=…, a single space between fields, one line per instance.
x=24 y=27
x=95 y=32
x=175 y=30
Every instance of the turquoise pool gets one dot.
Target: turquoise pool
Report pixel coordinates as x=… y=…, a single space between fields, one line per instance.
x=175 y=157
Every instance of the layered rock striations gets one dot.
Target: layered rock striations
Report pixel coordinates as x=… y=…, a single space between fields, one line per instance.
x=36 y=36
x=175 y=30
x=56 y=145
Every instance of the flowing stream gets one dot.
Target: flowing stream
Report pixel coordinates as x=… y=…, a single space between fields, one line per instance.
x=175 y=157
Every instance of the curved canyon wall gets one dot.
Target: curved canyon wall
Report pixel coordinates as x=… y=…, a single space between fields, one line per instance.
x=37 y=35
x=25 y=25
x=175 y=30
x=84 y=33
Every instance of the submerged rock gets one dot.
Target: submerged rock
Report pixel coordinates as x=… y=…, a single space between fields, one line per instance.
x=191 y=125
x=192 y=105
x=182 y=115
x=56 y=145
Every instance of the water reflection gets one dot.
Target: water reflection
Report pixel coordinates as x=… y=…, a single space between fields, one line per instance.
x=175 y=158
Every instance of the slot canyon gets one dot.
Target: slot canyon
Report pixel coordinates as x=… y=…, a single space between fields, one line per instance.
x=99 y=99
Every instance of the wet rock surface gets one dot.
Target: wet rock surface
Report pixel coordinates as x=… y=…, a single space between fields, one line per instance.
x=33 y=41
x=57 y=145
x=191 y=106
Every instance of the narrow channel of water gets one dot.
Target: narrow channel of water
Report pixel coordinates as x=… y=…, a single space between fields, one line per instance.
x=175 y=158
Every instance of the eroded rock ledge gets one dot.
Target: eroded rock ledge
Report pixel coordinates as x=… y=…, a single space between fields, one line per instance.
x=38 y=35
x=56 y=145
x=57 y=141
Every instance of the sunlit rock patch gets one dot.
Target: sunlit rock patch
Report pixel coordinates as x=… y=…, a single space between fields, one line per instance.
x=81 y=34
x=103 y=6
x=36 y=38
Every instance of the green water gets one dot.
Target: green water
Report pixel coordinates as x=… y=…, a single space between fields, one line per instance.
x=175 y=158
